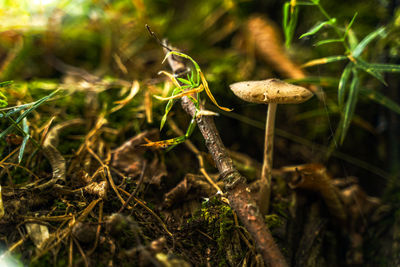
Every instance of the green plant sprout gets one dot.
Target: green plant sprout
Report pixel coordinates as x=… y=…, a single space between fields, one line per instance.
x=15 y=124
x=349 y=85
x=194 y=84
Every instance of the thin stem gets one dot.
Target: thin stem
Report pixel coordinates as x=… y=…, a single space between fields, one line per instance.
x=324 y=12
x=336 y=28
x=265 y=190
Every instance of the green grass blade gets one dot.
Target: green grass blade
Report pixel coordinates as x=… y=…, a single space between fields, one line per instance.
x=329 y=41
x=350 y=24
x=164 y=117
x=367 y=68
x=184 y=81
x=15 y=125
x=324 y=60
x=22 y=106
x=26 y=112
x=369 y=38
x=350 y=105
x=285 y=22
x=384 y=67
x=16 y=110
x=191 y=77
x=35 y=105
x=25 y=128
x=289 y=22
x=352 y=40
x=343 y=82
x=168 y=107
x=380 y=99
x=317 y=27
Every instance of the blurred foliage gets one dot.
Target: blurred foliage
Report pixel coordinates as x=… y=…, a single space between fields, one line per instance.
x=350 y=80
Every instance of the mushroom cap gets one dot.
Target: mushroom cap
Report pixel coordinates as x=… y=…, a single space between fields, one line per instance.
x=270 y=91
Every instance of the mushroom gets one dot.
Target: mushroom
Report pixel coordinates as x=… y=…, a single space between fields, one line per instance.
x=271 y=92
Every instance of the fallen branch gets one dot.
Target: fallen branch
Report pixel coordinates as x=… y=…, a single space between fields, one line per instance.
x=235 y=184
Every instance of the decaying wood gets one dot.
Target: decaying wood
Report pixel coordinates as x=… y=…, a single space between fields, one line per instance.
x=238 y=193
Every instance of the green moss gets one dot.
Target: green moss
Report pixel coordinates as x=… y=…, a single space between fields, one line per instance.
x=220 y=225
x=213 y=211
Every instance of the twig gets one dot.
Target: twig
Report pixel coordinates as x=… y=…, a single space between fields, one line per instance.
x=235 y=186
x=101 y=205
x=141 y=203
x=135 y=190
x=85 y=260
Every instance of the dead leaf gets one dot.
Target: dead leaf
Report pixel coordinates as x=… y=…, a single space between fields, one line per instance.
x=128 y=158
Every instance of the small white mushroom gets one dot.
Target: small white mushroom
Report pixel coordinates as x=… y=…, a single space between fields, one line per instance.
x=271 y=92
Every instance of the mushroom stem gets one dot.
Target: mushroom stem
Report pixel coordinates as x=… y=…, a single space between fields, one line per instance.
x=265 y=186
